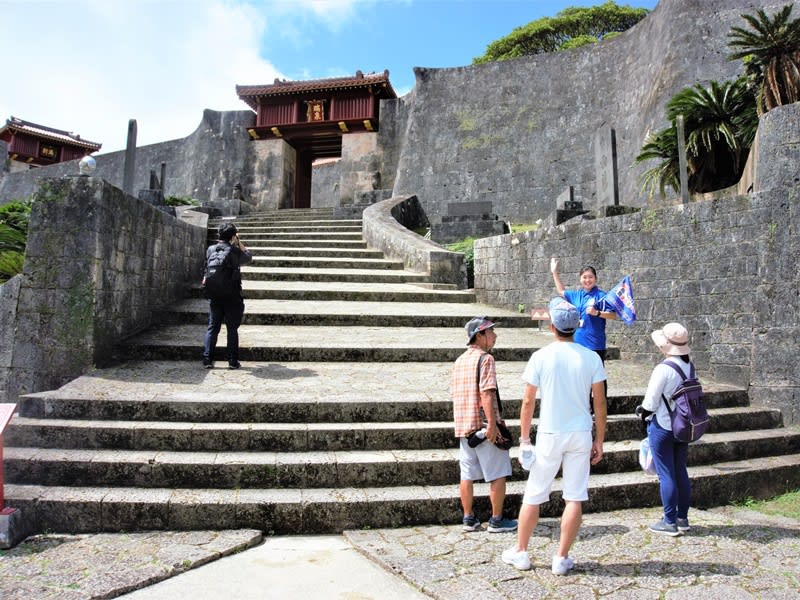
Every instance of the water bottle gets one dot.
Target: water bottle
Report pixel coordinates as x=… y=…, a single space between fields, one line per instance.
x=527 y=456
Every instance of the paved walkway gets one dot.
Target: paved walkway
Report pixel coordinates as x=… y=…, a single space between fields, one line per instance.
x=730 y=554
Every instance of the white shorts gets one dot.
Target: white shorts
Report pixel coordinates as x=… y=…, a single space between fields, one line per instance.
x=569 y=451
x=485 y=461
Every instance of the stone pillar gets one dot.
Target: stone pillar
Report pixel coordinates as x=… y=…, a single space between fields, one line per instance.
x=359 y=167
x=682 y=161
x=274 y=175
x=605 y=166
x=130 y=159
x=3 y=158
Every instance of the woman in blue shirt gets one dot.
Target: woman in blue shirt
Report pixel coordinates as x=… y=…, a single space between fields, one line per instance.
x=592 y=332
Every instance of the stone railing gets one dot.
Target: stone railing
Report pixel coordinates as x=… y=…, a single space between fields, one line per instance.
x=98 y=263
x=387 y=227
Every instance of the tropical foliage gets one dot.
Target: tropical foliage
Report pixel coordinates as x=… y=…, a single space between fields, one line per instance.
x=720 y=122
x=770 y=50
x=570 y=28
x=14 y=218
x=181 y=201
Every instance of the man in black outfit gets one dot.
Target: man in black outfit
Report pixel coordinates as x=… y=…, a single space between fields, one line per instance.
x=228 y=309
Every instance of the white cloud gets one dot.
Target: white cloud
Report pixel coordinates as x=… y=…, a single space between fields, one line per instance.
x=88 y=67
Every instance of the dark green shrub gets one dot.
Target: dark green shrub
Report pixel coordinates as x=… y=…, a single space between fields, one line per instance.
x=14 y=218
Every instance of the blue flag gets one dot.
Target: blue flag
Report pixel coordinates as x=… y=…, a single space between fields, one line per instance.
x=620 y=300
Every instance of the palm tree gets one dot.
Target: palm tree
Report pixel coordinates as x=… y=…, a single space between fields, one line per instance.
x=771 y=54
x=720 y=122
x=661 y=146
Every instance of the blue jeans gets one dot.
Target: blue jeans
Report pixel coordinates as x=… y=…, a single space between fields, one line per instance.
x=670 y=456
x=229 y=312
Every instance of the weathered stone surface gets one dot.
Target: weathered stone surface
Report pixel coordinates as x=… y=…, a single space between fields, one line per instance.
x=97 y=264
x=726 y=268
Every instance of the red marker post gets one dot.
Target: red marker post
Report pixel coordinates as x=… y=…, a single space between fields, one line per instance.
x=6 y=412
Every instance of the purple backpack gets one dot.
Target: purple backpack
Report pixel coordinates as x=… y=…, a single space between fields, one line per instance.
x=687 y=408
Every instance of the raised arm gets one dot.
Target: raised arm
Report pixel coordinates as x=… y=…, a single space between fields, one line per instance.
x=556 y=278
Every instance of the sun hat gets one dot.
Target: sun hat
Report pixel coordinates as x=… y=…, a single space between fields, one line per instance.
x=475 y=326
x=563 y=315
x=672 y=339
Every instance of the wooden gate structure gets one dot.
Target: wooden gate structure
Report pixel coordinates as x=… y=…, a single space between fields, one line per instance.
x=312 y=116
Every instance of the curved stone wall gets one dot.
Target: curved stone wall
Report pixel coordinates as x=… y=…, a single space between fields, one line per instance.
x=518 y=132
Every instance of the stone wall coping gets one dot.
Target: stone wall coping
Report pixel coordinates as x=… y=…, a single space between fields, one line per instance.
x=383 y=231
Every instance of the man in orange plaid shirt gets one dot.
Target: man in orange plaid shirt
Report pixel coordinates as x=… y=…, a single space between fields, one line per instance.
x=473 y=390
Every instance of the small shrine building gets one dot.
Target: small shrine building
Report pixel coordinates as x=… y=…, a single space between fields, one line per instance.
x=303 y=121
x=31 y=145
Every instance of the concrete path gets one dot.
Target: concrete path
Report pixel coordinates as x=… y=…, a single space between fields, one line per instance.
x=307 y=567
x=730 y=554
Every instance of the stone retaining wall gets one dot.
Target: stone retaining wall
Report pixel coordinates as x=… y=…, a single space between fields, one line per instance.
x=388 y=225
x=726 y=268
x=97 y=264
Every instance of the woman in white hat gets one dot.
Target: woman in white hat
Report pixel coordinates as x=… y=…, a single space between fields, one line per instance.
x=669 y=455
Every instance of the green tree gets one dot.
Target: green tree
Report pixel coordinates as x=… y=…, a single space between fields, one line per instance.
x=572 y=27
x=720 y=122
x=770 y=51
x=14 y=218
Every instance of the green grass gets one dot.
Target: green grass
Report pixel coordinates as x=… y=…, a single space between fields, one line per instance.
x=522 y=227
x=786 y=505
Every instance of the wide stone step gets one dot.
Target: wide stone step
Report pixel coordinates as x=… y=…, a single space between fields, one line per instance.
x=309 y=252
x=309 y=229
x=306 y=437
x=306 y=243
x=342 y=313
x=325 y=467
x=305 y=392
x=289 y=214
x=255 y=223
x=369 y=277
x=328 y=262
x=332 y=510
x=301 y=236
x=329 y=344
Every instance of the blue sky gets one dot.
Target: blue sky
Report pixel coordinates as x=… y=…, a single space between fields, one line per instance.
x=88 y=66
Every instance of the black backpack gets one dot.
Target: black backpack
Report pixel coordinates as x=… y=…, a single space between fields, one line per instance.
x=687 y=408
x=220 y=281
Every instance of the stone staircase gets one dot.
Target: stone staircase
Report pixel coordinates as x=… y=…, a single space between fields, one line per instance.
x=340 y=417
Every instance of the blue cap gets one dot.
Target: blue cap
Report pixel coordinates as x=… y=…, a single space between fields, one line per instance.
x=563 y=315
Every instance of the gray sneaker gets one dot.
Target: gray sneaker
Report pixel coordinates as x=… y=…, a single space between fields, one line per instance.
x=665 y=528
x=682 y=525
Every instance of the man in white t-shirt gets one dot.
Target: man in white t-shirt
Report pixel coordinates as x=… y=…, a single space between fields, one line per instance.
x=564 y=373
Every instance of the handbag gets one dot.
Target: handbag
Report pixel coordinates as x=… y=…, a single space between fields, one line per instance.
x=477 y=437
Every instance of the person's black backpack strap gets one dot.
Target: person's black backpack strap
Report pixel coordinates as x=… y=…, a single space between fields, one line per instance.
x=505 y=432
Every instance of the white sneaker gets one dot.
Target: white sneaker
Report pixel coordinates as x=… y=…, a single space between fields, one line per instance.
x=562 y=566
x=518 y=559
